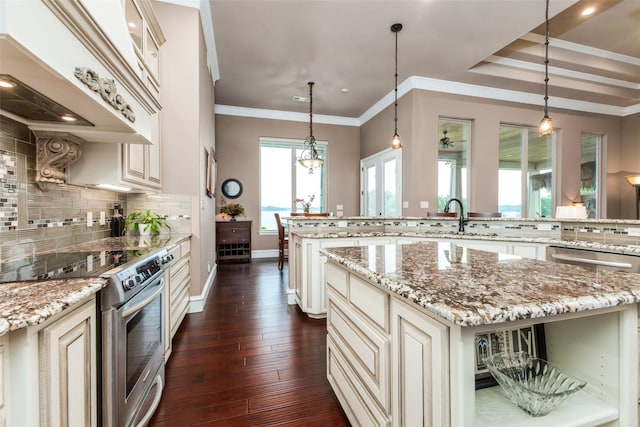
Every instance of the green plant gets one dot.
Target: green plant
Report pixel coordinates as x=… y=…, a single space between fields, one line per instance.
x=151 y=220
x=232 y=209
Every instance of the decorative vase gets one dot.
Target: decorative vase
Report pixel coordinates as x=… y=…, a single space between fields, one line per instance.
x=233 y=218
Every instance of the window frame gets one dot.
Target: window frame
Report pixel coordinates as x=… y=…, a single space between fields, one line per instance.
x=293 y=145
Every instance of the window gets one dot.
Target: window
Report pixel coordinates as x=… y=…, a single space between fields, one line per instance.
x=525 y=173
x=283 y=179
x=590 y=173
x=381 y=178
x=453 y=142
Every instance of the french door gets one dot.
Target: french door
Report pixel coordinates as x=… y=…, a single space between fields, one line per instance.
x=381 y=184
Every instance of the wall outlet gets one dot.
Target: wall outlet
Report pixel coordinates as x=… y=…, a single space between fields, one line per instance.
x=424 y=205
x=103 y=218
x=208 y=267
x=633 y=231
x=339 y=207
x=89 y=219
x=405 y=205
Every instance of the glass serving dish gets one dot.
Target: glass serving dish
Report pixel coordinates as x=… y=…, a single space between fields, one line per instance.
x=533 y=384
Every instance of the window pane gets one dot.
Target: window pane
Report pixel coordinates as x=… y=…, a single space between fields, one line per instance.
x=309 y=184
x=282 y=180
x=275 y=184
x=589 y=173
x=390 y=188
x=510 y=172
x=540 y=175
x=371 y=191
x=453 y=141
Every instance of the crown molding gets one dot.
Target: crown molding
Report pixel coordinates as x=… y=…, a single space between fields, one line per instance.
x=258 y=113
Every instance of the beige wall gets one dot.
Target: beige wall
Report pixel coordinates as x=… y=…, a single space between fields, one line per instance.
x=418 y=113
x=629 y=164
x=238 y=157
x=188 y=128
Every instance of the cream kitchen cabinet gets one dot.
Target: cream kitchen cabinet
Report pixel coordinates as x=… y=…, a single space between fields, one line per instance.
x=135 y=166
x=308 y=277
x=4 y=379
x=53 y=370
x=391 y=362
x=177 y=285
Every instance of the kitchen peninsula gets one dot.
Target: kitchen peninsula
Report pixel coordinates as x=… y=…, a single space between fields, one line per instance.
x=525 y=237
x=403 y=321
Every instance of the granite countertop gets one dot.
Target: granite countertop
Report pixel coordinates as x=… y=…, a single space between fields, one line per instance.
x=29 y=303
x=447 y=235
x=481 y=287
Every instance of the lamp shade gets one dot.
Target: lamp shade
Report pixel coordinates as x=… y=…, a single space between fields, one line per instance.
x=633 y=179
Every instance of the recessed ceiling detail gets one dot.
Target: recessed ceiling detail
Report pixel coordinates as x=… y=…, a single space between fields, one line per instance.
x=107 y=90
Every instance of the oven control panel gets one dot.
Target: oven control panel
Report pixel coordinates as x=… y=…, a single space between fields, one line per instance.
x=143 y=273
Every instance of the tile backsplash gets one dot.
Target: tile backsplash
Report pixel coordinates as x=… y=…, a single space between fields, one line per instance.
x=32 y=220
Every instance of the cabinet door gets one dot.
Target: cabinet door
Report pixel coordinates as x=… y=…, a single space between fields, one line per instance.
x=419 y=368
x=153 y=172
x=4 y=379
x=68 y=357
x=134 y=161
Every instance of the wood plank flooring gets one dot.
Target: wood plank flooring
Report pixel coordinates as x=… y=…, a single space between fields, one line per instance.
x=249 y=359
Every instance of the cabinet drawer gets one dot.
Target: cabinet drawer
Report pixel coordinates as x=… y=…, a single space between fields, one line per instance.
x=357 y=403
x=337 y=279
x=179 y=270
x=371 y=301
x=367 y=349
x=234 y=235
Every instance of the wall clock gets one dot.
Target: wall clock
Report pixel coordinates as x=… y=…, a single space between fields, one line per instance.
x=231 y=188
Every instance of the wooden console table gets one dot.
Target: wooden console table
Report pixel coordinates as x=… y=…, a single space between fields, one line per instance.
x=233 y=240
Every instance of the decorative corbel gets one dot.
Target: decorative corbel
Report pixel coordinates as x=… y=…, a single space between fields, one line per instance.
x=55 y=151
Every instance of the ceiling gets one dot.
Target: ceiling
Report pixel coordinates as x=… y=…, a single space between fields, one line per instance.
x=268 y=50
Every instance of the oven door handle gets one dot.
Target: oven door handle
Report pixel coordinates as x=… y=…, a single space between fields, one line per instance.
x=592 y=261
x=142 y=304
x=154 y=405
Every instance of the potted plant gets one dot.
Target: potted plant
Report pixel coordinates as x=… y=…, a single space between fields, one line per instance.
x=306 y=204
x=233 y=210
x=145 y=222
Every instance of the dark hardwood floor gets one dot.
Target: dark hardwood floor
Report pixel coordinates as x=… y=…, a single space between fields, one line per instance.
x=249 y=359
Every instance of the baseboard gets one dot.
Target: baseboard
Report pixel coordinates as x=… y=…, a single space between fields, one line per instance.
x=264 y=253
x=197 y=302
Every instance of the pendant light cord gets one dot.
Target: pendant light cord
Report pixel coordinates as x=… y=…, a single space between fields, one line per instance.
x=396 y=90
x=546 y=60
x=311 y=110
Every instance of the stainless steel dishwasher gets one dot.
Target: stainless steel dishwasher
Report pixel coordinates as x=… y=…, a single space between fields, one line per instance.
x=596 y=260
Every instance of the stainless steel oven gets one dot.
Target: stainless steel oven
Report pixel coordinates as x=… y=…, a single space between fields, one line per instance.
x=133 y=341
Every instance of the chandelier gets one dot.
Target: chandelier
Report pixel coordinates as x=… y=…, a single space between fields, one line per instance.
x=395 y=140
x=546 y=127
x=309 y=158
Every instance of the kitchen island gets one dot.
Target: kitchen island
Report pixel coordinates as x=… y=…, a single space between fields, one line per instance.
x=403 y=322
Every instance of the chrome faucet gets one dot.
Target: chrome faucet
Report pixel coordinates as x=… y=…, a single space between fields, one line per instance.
x=461 y=220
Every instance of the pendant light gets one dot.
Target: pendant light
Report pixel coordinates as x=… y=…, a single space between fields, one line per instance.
x=395 y=140
x=309 y=157
x=546 y=126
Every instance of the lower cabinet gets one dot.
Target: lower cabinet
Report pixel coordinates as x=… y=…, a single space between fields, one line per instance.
x=178 y=283
x=4 y=378
x=391 y=363
x=68 y=369
x=53 y=371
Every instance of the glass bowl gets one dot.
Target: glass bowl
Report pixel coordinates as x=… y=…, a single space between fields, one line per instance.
x=533 y=384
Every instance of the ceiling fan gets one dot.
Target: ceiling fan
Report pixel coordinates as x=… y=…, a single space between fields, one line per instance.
x=446 y=142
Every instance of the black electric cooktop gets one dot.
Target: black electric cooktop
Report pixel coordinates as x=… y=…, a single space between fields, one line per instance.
x=66 y=265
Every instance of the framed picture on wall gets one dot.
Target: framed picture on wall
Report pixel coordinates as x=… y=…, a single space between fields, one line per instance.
x=210 y=180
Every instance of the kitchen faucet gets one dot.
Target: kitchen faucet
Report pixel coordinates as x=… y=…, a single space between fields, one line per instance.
x=461 y=220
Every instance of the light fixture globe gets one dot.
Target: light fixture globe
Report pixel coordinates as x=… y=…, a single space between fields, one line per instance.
x=396 y=142
x=309 y=158
x=546 y=126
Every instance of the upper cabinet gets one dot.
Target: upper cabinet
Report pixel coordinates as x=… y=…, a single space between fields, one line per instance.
x=147 y=38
